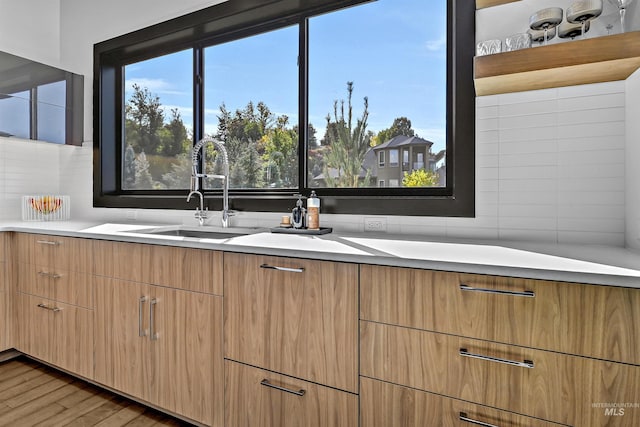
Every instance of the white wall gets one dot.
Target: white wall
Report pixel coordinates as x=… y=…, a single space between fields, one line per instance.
x=550 y=163
x=633 y=161
x=31 y=29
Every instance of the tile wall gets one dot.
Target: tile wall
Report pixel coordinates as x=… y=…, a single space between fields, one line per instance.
x=550 y=168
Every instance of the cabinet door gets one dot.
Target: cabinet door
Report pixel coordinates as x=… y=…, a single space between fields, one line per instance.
x=4 y=316
x=186 y=350
x=293 y=316
x=530 y=313
x=121 y=336
x=57 y=333
x=384 y=405
x=548 y=385
x=254 y=397
x=35 y=328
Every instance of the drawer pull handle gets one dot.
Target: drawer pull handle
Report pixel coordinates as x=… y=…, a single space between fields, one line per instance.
x=466 y=419
x=265 y=382
x=48 y=242
x=47 y=274
x=525 y=364
x=46 y=307
x=152 y=320
x=528 y=294
x=291 y=270
x=141 y=331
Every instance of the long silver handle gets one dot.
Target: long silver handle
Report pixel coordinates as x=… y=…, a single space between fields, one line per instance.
x=47 y=274
x=152 y=320
x=525 y=364
x=265 y=382
x=289 y=269
x=141 y=331
x=466 y=419
x=528 y=294
x=46 y=307
x=48 y=242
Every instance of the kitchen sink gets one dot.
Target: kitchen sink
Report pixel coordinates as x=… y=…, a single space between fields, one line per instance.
x=197 y=233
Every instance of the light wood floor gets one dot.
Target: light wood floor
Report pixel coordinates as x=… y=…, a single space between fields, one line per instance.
x=32 y=394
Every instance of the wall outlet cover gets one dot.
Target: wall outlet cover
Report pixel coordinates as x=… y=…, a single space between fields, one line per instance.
x=375 y=224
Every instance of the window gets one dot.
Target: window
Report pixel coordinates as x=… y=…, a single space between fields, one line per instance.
x=393 y=158
x=294 y=94
x=381 y=159
x=158 y=118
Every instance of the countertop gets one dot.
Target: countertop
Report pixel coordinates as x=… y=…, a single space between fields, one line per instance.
x=589 y=264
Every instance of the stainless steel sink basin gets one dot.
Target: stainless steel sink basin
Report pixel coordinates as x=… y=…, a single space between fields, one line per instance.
x=197 y=233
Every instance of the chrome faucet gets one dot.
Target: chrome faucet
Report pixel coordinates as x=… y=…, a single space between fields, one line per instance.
x=201 y=212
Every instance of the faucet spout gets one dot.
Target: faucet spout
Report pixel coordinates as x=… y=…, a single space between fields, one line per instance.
x=195 y=176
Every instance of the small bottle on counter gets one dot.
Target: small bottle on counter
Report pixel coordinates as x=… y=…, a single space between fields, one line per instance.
x=313 y=209
x=298 y=214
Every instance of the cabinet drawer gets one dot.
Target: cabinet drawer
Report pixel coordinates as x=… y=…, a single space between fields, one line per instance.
x=552 y=319
x=254 y=397
x=558 y=387
x=3 y=243
x=297 y=317
x=56 y=284
x=67 y=253
x=5 y=324
x=57 y=333
x=196 y=270
x=384 y=405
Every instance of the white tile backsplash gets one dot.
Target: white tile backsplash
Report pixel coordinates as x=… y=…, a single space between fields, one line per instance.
x=550 y=167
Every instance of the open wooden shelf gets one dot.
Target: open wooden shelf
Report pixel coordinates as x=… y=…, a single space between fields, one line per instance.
x=481 y=4
x=601 y=59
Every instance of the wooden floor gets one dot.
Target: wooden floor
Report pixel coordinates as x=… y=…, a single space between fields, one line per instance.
x=32 y=394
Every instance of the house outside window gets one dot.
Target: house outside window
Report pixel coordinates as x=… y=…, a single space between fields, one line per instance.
x=288 y=124
x=393 y=158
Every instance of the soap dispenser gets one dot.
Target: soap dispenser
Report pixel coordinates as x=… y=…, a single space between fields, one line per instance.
x=313 y=208
x=299 y=214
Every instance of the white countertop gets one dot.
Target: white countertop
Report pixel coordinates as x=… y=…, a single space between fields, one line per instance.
x=572 y=263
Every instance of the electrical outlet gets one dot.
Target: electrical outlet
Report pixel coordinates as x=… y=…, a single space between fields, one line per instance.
x=131 y=215
x=375 y=224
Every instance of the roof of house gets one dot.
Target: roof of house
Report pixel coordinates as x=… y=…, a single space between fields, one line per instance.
x=403 y=141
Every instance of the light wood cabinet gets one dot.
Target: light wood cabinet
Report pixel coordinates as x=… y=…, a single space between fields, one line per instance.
x=161 y=345
x=539 y=314
x=543 y=384
x=196 y=270
x=65 y=253
x=56 y=333
x=255 y=397
x=5 y=324
x=54 y=300
x=384 y=405
x=56 y=284
x=293 y=316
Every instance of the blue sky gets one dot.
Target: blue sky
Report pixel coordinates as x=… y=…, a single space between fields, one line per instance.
x=393 y=50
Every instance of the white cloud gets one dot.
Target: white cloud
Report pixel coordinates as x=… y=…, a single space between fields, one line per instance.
x=155 y=86
x=436 y=45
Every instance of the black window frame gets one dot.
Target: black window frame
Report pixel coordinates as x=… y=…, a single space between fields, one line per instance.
x=237 y=19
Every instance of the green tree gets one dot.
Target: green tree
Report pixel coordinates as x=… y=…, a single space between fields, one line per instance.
x=400 y=126
x=420 y=178
x=347 y=143
x=179 y=135
x=145 y=116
